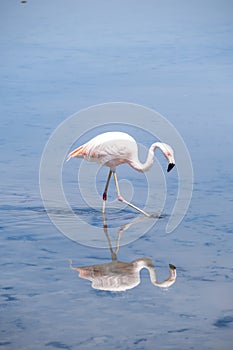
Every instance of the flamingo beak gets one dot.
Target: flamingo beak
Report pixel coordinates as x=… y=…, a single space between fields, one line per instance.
x=170 y=167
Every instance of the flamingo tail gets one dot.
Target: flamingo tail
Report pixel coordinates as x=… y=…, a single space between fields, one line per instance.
x=78 y=153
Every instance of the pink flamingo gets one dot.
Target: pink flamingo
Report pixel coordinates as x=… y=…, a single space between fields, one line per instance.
x=115 y=148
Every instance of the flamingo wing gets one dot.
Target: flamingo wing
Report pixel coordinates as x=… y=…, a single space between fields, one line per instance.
x=111 y=149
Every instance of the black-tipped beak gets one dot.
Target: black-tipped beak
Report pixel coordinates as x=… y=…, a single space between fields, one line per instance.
x=170 y=167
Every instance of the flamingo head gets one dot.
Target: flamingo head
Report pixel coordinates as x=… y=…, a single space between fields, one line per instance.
x=169 y=155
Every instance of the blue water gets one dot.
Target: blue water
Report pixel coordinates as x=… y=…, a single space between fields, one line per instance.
x=58 y=57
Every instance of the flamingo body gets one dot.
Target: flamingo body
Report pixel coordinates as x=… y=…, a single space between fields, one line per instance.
x=110 y=149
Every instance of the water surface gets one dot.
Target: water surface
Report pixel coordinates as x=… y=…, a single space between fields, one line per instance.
x=58 y=57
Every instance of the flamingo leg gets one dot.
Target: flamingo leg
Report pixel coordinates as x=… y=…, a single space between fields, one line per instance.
x=121 y=199
x=105 y=191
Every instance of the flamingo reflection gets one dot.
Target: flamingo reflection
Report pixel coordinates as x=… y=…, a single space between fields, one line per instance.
x=119 y=276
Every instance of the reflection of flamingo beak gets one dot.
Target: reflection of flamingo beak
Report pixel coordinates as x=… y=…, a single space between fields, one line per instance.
x=172 y=267
x=170 y=167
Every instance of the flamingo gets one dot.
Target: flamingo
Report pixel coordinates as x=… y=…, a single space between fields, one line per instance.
x=115 y=148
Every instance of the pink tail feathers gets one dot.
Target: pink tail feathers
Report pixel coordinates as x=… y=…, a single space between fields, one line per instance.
x=78 y=153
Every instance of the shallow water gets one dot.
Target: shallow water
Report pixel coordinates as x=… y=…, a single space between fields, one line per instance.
x=59 y=57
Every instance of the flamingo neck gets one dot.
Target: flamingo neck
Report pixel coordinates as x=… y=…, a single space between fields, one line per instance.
x=143 y=167
x=167 y=282
x=147 y=263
